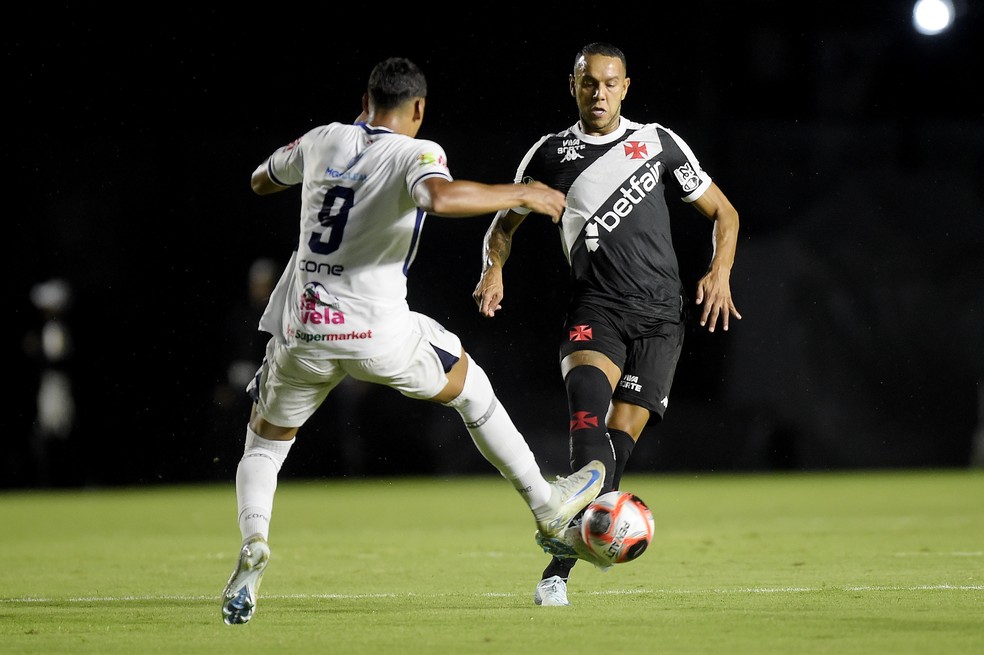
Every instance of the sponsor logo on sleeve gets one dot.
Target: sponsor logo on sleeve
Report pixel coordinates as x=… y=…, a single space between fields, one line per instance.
x=430 y=159
x=687 y=177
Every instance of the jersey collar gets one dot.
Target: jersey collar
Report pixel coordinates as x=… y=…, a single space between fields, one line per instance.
x=611 y=137
x=372 y=129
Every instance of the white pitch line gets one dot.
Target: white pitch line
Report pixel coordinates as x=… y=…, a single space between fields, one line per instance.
x=611 y=592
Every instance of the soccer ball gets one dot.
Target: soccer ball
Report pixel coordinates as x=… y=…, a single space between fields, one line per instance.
x=617 y=527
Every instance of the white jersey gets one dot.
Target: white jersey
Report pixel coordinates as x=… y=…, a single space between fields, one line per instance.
x=344 y=294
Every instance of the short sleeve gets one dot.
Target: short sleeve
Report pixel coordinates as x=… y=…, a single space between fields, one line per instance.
x=286 y=165
x=429 y=161
x=686 y=170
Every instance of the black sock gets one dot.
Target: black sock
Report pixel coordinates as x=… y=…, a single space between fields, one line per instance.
x=557 y=566
x=588 y=396
x=623 y=445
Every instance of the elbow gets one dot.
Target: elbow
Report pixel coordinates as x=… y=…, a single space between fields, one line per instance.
x=437 y=207
x=260 y=181
x=436 y=202
x=262 y=185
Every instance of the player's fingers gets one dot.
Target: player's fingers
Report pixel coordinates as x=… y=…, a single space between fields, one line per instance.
x=713 y=315
x=490 y=304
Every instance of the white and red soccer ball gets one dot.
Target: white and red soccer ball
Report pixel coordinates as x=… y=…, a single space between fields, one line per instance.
x=617 y=527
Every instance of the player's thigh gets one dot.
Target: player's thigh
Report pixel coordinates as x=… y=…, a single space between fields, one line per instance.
x=289 y=389
x=650 y=367
x=418 y=366
x=594 y=329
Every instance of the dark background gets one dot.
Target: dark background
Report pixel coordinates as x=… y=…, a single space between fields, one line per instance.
x=852 y=147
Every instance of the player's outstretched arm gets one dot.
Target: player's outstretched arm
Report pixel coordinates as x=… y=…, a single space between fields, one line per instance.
x=462 y=198
x=714 y=289
x=497 y=244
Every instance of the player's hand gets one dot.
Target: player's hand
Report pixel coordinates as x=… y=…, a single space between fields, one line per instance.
x=714 y=293
x=545 y=200
x=489 y=291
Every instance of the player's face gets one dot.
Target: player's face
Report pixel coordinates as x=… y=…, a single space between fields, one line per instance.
x=599 y=85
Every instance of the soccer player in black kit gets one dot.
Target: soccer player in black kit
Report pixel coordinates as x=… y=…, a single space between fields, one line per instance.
x=625 y=322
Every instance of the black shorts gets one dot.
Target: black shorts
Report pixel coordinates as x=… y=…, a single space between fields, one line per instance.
x=645 y=348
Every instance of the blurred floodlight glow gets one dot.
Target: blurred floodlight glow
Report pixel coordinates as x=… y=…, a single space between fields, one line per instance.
x=932 y=16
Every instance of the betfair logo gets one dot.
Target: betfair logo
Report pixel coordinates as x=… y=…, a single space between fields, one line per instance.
x=630 y=195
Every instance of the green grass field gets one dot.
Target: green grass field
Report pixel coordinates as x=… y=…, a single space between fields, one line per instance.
x=859 y=562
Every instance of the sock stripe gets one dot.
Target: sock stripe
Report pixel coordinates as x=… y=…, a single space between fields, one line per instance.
x=481 y=420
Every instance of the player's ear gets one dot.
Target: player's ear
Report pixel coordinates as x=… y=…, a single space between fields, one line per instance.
x=364 y=116
x=418 y=109
x=625 y=88
x=574 y=95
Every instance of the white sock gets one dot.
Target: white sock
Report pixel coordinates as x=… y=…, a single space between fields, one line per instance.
x=256 y=482
x=497 y=438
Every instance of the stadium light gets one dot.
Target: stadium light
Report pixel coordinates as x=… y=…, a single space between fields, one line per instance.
x=932 y=17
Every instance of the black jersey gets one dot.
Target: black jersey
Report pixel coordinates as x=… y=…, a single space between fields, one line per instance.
x=616 y=227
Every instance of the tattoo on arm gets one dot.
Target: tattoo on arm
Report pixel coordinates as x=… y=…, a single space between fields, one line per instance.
x=497 y=248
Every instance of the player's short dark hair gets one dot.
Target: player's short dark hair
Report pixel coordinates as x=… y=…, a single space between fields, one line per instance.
x=601 y=48
x=395 y=80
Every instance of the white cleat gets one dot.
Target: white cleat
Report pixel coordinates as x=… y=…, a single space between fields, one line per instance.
x=568 y=496
x=569 y=545
x=551 y=592
x=239 y=596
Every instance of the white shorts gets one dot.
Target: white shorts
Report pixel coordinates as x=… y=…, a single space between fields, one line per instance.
x=288 y=389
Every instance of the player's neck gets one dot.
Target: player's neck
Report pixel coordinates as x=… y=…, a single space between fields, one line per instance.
x=402 y=120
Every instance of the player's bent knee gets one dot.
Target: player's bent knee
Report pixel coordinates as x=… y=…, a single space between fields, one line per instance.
x=477 y=398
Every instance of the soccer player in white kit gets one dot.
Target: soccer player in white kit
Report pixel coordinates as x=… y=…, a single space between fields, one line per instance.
x=340 y=307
